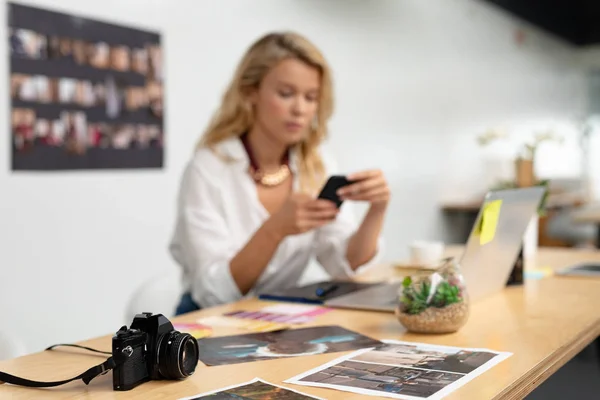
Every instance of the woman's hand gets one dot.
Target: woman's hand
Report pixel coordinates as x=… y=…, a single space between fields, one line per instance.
x=368 y=186
x=301 y=213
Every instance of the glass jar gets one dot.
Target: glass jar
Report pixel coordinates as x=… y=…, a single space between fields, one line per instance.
x=434 y=300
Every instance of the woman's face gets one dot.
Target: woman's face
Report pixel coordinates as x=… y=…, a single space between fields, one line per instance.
x=286 y=101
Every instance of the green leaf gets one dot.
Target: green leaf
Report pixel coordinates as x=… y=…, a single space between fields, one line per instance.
x=445 y=295
x=416 y=307
x=425 y=286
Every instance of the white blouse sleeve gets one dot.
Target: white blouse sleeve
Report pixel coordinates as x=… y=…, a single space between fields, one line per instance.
x=332 y=240
x=201 y=242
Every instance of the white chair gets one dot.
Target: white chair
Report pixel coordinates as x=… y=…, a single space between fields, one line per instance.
x=11 y=346
x=158 y=294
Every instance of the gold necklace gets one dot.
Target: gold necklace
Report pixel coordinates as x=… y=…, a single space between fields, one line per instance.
x=272 y=179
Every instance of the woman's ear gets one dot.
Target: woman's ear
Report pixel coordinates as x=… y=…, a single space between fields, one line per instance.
x=249 y=99
x=252 y=97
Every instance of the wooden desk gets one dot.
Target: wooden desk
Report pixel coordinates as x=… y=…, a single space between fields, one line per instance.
x=545 y=323
x=587 y=215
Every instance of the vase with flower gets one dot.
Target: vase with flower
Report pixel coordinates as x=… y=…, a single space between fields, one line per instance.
x=524 y=176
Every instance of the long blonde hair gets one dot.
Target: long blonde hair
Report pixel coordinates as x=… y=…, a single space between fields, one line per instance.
x=234 y=117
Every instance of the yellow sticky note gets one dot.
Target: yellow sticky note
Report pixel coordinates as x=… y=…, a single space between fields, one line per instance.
x=489 y=221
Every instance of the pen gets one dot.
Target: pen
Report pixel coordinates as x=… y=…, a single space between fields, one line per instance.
x=321 y=292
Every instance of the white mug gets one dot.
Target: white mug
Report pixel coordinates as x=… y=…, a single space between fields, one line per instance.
x=424 y=253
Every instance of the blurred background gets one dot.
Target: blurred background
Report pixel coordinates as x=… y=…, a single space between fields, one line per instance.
x=449 y=97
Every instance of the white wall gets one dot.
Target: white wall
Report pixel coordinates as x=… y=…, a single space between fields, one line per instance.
x=415 y=81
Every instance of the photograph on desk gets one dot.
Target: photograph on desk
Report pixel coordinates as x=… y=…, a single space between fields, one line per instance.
x=257 y=389
x=403 y=370
x=282 y=313
x=84 y=94
x=281 y=344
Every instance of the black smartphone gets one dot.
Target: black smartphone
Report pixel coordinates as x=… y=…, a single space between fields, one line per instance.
x=331 y=187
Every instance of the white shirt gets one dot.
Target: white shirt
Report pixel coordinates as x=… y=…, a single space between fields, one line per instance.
x=219 y=211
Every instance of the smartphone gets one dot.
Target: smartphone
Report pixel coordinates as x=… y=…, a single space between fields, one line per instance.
x=329 y=191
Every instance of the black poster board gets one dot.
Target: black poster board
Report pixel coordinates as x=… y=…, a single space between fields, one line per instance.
x=84 y=94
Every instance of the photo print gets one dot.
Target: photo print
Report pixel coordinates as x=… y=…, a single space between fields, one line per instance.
x=281 y=344
x=256 y=389
x=403 y=370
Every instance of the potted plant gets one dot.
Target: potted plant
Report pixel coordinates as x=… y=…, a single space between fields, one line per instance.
x=525 y=157
x=524 y=167
x=434 y=302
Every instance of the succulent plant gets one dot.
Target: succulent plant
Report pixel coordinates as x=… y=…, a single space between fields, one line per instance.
x=417 y=297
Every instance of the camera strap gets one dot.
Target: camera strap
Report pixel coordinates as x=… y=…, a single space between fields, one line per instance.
x=86 y=376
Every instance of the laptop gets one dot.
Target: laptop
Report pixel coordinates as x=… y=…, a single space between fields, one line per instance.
x=587 y=269
x=381 y=297
x=485 y=267
x=316 y=293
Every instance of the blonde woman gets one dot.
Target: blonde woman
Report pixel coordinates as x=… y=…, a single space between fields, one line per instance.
x=248 y=215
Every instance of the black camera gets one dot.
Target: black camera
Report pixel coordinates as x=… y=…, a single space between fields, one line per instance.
x=151 y=349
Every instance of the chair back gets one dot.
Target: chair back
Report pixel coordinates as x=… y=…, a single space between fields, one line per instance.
x=158 y=294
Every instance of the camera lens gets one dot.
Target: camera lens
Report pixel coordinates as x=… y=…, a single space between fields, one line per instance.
x=177 y=355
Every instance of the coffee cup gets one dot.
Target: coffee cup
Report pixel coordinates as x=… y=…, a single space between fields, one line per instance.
x=426 y=253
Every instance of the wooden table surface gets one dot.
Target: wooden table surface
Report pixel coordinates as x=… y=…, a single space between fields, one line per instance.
x=544 y=323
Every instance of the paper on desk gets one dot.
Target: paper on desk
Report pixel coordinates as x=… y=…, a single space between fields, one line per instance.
x=256 y=389
x=296 y=309
x=403 y=370
x=282 y=313
x=248 y=325
x=538 y=273
x=301 y=342
x=196 y=330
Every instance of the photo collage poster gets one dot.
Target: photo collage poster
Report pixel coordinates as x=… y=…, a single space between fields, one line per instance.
x=84 y=94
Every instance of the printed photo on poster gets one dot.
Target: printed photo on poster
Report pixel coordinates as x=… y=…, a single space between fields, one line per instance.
x=256 y=389
x=84 y=94
x=403 y=370
x=281 y=344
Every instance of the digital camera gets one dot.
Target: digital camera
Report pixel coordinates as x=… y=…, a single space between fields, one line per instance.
x=151 y=349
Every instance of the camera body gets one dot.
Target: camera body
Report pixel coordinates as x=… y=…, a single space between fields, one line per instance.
x=151 y=349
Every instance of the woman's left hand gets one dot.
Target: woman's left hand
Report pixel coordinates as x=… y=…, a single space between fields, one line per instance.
x=368 y=186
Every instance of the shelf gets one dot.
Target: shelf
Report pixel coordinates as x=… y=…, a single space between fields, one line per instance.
x=67 y=68
x=55 y=158
x=93 y=114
